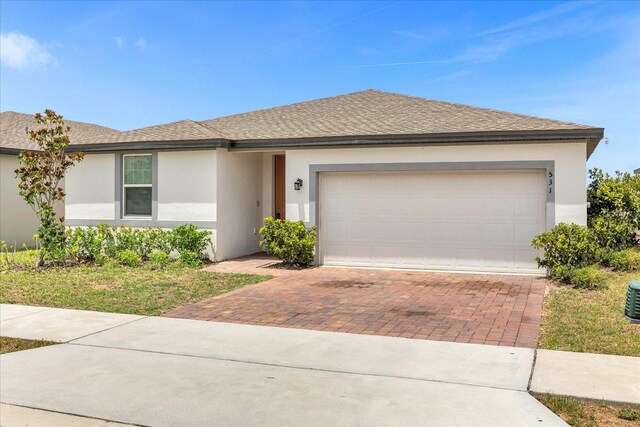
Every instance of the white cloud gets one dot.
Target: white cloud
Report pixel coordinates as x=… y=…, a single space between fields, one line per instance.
x=21 y=51
x=141 y=43
x=119 y=41
x=537 y=17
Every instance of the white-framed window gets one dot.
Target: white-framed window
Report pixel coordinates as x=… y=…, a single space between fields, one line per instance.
x=137 y=185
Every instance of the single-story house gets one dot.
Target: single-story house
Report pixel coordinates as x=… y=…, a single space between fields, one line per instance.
x=18 y=221
x=391 y=181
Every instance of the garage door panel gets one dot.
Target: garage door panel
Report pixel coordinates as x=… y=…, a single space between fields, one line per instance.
x=438 y=232
x=449 y=220
x=528 y=208
x=499 y=258
x=469 y=258
x=498 y=234
x=524 y=233
x=469 y=233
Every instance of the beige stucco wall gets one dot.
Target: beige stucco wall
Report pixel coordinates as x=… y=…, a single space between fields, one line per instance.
x=187 y=186
x=239 y=201
x=18 y=221
x=91 y=188
x=570 y=169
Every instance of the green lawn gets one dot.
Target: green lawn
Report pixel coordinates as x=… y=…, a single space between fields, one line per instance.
x=138 y=290
x=9 y=345
x=584 y=413
x=590 y=321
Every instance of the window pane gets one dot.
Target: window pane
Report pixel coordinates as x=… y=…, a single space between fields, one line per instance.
x=137 y=169
x=137 y=201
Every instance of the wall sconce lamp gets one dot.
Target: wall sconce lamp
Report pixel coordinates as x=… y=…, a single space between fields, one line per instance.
x=297 y=184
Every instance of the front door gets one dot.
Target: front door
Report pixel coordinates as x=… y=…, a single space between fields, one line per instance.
x=279 y=187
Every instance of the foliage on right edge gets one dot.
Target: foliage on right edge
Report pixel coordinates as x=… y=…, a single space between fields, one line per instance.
x=290 y=241
x=573 y=253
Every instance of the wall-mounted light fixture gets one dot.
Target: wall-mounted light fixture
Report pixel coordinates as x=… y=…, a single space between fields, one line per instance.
x=297 y=184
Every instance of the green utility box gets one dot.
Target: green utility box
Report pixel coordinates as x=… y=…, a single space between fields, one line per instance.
x=632 y=306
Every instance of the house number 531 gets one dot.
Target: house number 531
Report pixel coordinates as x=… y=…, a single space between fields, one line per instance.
x=550 y=183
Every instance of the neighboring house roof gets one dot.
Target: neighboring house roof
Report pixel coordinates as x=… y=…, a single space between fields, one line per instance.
x=14 y=136
x=368 y=117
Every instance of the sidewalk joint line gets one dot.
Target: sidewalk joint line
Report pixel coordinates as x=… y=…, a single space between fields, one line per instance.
x=28 y=314
x=73 y=414
x=107 y=329
x=301 y=367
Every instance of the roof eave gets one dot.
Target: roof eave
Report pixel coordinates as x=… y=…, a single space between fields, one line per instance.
x=591 y=134
x=11 y=151
x=149 y=145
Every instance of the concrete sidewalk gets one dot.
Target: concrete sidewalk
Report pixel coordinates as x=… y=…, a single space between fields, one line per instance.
x=162 y=371
x=589 y=376
x=56 y=324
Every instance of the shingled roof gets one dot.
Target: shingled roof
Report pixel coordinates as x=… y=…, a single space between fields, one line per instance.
x=366 y=117
x=183 y=130
x=14 y=128
x=377 y=113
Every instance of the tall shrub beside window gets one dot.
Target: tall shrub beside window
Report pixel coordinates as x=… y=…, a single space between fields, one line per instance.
x=138 y=185
x=40 y=173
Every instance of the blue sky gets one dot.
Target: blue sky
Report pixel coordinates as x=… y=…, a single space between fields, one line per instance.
x=133 y=64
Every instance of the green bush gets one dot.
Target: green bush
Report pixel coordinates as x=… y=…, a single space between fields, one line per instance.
x=129 y=258
x=190 y=258
x=289 y=241
x=188 y=239
x=612 y=232
x=627 y=260
x=159 y=259
x=614 y=208
x=90 y=242
x=629 y=414
x=87 y=243
x=157 y=239
x=568 y=245
x=588 y=277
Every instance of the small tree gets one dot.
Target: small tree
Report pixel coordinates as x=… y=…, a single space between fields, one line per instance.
x=40 y=174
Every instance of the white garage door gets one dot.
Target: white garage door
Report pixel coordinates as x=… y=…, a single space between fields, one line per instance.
x=441 y=220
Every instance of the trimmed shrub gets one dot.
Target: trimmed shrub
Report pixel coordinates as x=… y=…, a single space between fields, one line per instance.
x=289 y=241
x=129 y=258
x=612 y=232
x=88 y=243
x=159 y=259
x=590 y=277
x=627 y=260
x=188 y=239
x=614 y=208
x=628 y=414
x=157 y=239
x=191 y=259
x=569 y=245
x=84 y=244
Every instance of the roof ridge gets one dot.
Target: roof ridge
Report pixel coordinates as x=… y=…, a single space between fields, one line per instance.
x=213 y=128
x=277 y=107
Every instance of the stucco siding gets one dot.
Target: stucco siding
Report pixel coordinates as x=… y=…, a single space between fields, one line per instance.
x=569 y=160
x=239 y=201
x=91 y=189
x=187 y=186
x=18 y=221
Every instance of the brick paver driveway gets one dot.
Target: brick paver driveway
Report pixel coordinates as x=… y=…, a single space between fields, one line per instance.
x=470 y=308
